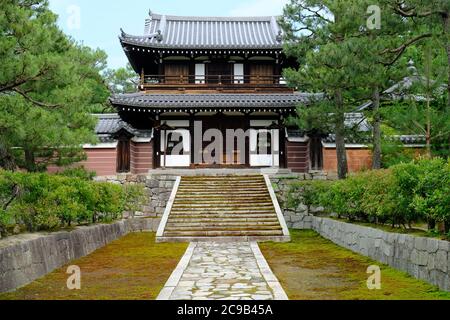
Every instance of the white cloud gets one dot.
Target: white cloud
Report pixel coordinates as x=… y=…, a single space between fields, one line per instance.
x=259 y=8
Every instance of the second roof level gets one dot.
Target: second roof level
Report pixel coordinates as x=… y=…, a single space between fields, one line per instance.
x=237 y=54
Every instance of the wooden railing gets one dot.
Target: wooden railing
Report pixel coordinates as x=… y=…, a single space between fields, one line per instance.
x=211 y=82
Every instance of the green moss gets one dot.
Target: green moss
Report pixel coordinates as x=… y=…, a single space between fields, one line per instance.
x=131 y=268
x=311 y=268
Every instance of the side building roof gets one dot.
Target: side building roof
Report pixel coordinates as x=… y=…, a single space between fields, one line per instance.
x=109 y=125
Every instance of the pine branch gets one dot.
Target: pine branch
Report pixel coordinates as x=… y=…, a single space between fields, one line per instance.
x=400 y=50
x=412 y=13
x=33 y=101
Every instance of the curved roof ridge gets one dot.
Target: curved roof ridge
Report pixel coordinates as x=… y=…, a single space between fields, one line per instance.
x=156 y=16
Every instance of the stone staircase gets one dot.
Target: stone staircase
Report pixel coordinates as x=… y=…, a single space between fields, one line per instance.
x=223 y=208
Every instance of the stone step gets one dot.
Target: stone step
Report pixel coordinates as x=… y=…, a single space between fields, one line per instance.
x=218 y=223
x=241 y=197
x=244 y=186
x=228 y=183
x=224 y=178
x=236 y=191
x=247 y=233
x=243 y=238
x=230 y=202
x=222 y=207
x=170 y=228
x=224 y=219
x=255 y=217
x=223 y=193
x=224 y=212
x=247 y=205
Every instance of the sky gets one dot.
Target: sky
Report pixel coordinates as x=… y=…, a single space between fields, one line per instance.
x=97 y=23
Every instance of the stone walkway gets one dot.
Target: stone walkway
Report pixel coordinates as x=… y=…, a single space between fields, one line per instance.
x=223 y=271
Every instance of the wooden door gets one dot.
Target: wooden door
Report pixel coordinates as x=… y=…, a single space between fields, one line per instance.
x=123 y=155
x=176 y=73
x=261 y=73
x=219 y=69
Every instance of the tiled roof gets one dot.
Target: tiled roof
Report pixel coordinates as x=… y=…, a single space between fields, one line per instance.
x=408 y=140
x=163 y=31
x=211 y=100
x=109 y=124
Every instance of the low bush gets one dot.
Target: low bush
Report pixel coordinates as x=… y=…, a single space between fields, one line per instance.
x=78 y=172
x=38 y=202
x=401 y=195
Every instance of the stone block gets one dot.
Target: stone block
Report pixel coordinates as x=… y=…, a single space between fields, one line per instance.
x=432 y=245
x=420 y=243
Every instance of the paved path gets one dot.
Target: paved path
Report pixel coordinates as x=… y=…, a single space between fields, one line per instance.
x=222 y=271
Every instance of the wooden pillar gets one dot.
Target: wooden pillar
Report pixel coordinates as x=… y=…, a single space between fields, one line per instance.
x=247 y=140
x=191 y=132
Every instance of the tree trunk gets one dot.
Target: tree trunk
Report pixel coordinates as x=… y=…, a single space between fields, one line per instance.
x=428 y=129
x=340 y=137
x=376 y=161
x=431 y=224
x=447 y=33
x=6 y=160
x=30 y=163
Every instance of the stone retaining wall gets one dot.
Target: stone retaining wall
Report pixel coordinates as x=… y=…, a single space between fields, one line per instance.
x=158 y=188
x=27 y=257
x=423 y=258
x=301 y=216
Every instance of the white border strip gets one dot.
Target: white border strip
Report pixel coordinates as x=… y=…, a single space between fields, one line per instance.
x=277 y=206
x=168 y=209
x=106 y=145
x=271 y=279
x=176 y=275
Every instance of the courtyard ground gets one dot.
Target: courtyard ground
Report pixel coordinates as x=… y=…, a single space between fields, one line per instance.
x=312 y=268
x=308 y=268
x=131 y=268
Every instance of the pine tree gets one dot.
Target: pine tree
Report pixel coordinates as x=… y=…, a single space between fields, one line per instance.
x=321 y=35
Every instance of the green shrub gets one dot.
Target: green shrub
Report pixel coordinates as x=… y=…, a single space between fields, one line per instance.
x=110 y=204
x=309 y=193
x=38 y=201
x=379 y=200
x=424 y=185
x=135 y=197
x=406 y=193
x=78 y=172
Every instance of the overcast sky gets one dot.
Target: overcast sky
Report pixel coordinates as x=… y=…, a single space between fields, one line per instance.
x=97 y=23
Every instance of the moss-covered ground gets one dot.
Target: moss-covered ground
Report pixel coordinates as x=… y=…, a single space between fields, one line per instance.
x=131 y=268
x=313 y=268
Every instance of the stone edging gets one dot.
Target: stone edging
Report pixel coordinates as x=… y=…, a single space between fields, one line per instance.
x=271 y=279
x=169 y=205
x=176 y=275
x=276 y=206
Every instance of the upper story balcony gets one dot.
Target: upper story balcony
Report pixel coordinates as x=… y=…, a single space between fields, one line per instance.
x=211 y=83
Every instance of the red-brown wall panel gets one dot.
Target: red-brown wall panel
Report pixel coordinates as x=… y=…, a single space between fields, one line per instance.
x=358 y=159
x=102 y=161
x=297 y=154
x=141 y=157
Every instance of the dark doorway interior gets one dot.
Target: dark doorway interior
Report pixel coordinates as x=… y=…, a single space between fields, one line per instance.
x=123 y=155
x=316 y=152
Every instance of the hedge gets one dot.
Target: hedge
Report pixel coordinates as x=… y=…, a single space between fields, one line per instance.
x=42 y=202
x=405 y=193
